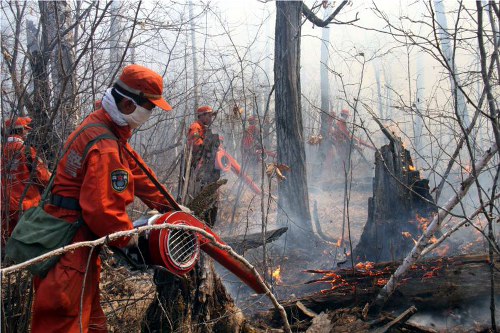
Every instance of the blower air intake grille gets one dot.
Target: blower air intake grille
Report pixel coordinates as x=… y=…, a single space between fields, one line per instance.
x=175 y=249
x=182 y=246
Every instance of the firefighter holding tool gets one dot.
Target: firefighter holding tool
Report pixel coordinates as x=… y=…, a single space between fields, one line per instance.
x=96 y=179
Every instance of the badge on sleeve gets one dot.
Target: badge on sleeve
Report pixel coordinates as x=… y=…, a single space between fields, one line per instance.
x=119 y=180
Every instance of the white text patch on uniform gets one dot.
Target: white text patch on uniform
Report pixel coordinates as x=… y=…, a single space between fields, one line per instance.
x=119 y=180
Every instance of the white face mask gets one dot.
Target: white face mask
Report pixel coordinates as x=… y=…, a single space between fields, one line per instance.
x=138 y=117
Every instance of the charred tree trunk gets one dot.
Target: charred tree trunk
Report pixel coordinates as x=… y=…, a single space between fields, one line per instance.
x=198 y=302
x=293 y=193
x=398 y=202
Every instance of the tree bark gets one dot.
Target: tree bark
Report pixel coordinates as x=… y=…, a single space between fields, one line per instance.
x=55 y=19
x=293 y=194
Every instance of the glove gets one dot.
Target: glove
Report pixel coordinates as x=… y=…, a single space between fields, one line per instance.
x=185 y=209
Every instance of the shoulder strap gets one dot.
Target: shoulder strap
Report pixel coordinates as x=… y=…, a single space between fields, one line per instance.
x=108 y=135
x=160 y=188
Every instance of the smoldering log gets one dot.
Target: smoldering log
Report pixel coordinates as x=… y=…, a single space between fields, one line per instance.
x=433 y=284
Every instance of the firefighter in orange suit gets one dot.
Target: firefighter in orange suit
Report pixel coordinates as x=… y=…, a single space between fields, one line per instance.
x=24 y=175
x=97 y=188
x=250 y=142
x=197 y=131
x=342 y=137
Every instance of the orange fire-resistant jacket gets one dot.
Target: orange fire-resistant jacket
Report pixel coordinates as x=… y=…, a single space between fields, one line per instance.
x=104 y=183
x=248 y=141
x=20 y=169
x=342 y=135
x=196 y=135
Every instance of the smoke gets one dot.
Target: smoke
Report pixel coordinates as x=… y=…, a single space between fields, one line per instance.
x=470 y=316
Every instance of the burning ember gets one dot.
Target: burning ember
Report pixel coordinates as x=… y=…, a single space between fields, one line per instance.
x=411 y=168
x=366 y=266
x=276 y=275
x=422 y=222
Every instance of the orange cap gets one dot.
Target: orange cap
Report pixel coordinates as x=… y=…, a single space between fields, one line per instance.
x=204 y=109
x=143 y=82
x=20 y=122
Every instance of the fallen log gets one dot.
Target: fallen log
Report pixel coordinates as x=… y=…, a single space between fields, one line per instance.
x=241 y=243
x=430 y=285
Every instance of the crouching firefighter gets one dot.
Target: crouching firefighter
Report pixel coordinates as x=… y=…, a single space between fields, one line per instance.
x=96 y=179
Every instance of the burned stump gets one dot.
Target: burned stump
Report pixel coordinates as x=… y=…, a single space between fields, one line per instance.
x=400 y=203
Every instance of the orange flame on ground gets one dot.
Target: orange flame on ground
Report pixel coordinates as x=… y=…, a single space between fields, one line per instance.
x=339 y=243
x=411 y=168
x=381 y=282
x=366 y=266
x=276 y=275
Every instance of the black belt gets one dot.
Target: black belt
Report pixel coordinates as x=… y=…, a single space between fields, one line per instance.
x=64 y=202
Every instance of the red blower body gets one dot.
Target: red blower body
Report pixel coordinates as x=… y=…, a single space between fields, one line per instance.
x=179 y=250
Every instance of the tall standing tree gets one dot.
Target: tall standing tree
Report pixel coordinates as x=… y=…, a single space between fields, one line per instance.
x=56 y=20
x=293 y=194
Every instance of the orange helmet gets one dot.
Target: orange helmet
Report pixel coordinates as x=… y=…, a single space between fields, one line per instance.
x=204 y=109
x=144 y=82
x=345 y=113
x=20 y=122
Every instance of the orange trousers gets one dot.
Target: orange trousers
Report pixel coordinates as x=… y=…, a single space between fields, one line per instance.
x=64 y=303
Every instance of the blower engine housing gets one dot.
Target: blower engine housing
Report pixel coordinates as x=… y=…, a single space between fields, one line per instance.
x=176 y=250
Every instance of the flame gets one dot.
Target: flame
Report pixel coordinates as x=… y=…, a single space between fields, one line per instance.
x=339 y=242
x=411 y=168
x=365 y=266
x=276 y=275
x=432 y=273
x=422 y=222
x=381 y=282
